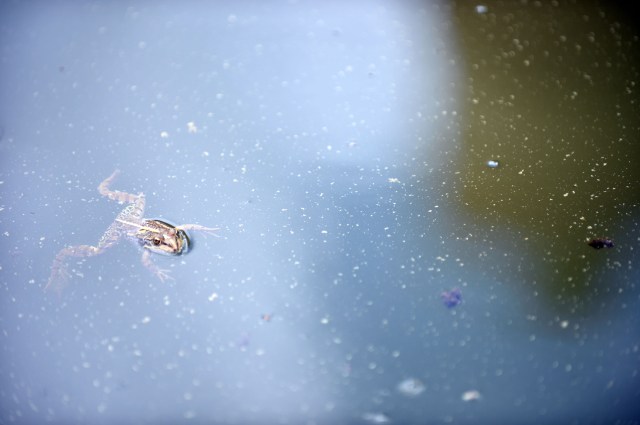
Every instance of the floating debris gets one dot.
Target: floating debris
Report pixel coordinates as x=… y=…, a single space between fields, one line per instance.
x=481 y=8
x=411 y=387
x=376 y=418
x=471 y=395
x=451 y=298
x=492 y=164
x=601 y=243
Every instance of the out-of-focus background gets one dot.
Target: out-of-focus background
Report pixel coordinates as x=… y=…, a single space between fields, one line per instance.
x=404 y=190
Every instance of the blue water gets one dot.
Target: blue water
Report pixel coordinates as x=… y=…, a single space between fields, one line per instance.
x=325 y=140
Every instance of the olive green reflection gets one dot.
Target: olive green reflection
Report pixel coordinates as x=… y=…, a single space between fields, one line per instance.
x=552 y=96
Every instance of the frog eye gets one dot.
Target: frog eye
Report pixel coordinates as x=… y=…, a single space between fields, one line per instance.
x=156 y=241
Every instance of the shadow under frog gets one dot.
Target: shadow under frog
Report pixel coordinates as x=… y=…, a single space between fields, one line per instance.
x=154 y=236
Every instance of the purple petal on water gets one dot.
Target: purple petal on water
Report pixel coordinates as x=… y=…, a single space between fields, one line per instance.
x=451 y=298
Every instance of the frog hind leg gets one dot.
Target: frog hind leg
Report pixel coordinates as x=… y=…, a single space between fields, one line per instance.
x=59 y=273
x=162 y=274
x=116 y=195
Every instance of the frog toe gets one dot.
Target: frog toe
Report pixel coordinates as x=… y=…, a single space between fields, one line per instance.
x=164 y=275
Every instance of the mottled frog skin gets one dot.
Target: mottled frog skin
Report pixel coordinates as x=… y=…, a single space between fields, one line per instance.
x=154 y=236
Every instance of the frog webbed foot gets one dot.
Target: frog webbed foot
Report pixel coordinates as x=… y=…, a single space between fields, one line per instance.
x=58 y=279
x=59 y=270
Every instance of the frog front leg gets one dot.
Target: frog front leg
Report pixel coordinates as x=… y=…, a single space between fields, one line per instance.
x=161 y=273
x=59 y=273
x=198 y=228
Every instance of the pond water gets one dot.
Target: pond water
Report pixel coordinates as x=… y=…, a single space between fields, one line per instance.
x=404 y=193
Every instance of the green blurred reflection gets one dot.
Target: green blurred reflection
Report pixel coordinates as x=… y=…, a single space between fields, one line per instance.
x=552 y=94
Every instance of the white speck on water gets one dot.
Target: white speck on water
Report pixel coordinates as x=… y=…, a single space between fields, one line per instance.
x=481 y=8
x=164 y=135
x=471 y=395
x=146 y=320
x=492 y=164
x=376 y=418
x=411 y=387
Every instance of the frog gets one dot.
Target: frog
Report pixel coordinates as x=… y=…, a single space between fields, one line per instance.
x=154 y=236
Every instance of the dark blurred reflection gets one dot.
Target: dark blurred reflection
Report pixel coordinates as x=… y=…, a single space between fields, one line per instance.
x=552 y=96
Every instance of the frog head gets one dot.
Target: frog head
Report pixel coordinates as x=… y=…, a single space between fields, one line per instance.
x=163 y=238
